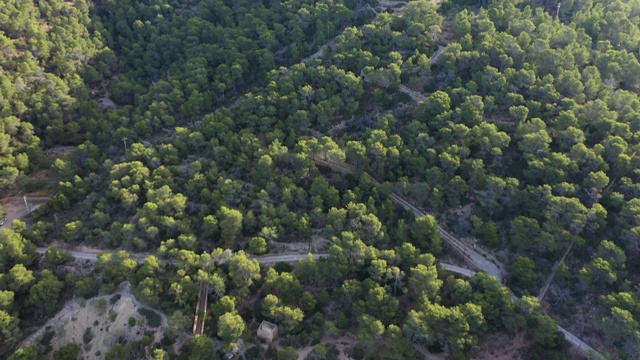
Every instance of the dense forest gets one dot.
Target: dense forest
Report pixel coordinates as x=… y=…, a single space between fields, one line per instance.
x=208 y=133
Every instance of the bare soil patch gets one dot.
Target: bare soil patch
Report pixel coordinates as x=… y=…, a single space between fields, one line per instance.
x=99 y=323
x=15 y=208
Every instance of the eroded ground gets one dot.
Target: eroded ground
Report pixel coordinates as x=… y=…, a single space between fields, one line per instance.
x=99 y=323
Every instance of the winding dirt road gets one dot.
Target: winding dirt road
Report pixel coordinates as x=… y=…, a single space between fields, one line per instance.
x=480 y=258
x=265 y=259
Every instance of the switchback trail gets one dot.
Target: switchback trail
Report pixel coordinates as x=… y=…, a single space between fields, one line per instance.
x=480 y=258
x=388 y=4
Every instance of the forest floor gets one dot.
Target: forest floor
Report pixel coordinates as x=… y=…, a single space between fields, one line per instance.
x=500 y=346
x=316 y=244
x=105 y=317
x=579 y=321
x=344 y=345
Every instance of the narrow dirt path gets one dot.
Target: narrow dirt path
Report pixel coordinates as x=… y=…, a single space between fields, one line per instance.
x=436 y=55
x=385 y=4
x=320 y=51
x=304 y=352
x=547 y=283
x=415 y=95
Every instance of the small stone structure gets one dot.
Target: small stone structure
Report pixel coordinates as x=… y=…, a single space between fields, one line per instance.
x=267 y=331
